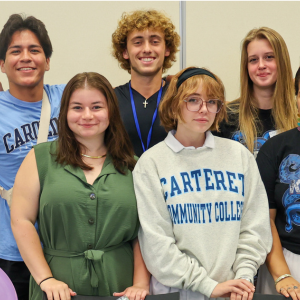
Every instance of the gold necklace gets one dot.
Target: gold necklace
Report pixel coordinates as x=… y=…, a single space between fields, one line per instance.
x=88 y=156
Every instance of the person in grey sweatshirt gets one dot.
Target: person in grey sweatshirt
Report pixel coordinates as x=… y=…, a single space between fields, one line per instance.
x=203 y=209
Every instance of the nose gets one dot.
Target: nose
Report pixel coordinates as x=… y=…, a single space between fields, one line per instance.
x=203 y=108
x=87 y=114
x=147 y=47
x=261 y=63
x=25 y=55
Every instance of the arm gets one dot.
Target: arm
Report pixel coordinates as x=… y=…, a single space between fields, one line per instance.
x=24 y=211
x=277 y=265
x=141 y=277
x=1 y=88
x=164 y=260
x=255 y=240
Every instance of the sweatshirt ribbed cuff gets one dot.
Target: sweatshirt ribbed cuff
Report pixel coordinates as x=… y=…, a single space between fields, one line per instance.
x=244 y=272
x=207 y=286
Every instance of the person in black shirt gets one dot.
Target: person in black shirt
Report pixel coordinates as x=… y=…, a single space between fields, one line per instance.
x=266 y=105
x=145 y=44
x=279 y=165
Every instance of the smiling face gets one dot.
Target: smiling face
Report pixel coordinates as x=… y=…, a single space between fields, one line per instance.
x=88 y=114
x=262 y=67
x=25 y=62
x=195 y=123
x=146 y=51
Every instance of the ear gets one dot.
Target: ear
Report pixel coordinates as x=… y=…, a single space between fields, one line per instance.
x=125 y=54
x=2 y=66
x=167 y=52
x=47 y=64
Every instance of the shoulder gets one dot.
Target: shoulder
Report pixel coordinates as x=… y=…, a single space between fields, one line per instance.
x=45 y=147
x=153 y=156
x=4 y=97
x=122 y=93
x=234 y=149
x=287 y=139
x=54 y=92
x=122 y=89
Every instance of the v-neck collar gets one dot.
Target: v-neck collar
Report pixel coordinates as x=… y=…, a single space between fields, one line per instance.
x=108 y=168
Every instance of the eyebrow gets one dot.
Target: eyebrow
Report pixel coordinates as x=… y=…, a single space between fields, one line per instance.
x=195 y=94
x=151 y=36
x=19 y=46
x=79 y=103
x=264 y=54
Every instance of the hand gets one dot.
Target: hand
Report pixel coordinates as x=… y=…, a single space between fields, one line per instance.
x=246 y=296
x=286 y=288
x=237 y=286
x=56 y=290
x=1 y=88
x=135 y=292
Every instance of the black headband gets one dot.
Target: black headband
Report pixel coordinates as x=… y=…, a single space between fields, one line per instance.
x=192 y=72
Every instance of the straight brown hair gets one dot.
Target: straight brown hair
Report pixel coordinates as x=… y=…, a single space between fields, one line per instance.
x=116 y=138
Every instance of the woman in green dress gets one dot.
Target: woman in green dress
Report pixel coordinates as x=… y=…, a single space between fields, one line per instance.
x=80 y=190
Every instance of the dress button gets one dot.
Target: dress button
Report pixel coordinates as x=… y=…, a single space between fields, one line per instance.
x=89 y=246
x=91 y=221
x=92 y=196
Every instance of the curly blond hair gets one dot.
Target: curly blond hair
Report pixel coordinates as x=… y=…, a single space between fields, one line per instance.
x=142 y=20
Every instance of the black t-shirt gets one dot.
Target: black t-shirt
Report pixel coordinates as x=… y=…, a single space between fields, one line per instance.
x=144 y=115
x=265 y=125
x=279 y=165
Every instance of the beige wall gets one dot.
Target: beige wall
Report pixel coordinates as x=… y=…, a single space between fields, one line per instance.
x=216 y=29
x=81 y=34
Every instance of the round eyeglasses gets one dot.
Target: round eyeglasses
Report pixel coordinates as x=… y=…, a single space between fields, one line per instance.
x=194 y=103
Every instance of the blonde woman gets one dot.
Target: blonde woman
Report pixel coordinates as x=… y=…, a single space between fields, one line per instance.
x=194 y=200
x=267 y=104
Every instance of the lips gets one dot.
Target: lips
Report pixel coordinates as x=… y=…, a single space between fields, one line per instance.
x=262 y=74
x=201 y=120
x=147 y=59
x=87 y=125
x=26 y=69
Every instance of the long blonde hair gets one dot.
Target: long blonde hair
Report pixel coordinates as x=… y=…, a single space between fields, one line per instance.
x=284 y=110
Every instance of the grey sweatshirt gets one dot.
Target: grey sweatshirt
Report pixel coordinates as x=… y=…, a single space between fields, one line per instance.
x=203 y=212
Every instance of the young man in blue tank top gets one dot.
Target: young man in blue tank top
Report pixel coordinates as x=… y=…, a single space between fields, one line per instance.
x=145 y=44
x=25 y=51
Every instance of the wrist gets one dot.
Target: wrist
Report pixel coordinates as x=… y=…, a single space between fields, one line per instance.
x=247 y=278
x=281 y=277
x=142 y=284
x=43 y=280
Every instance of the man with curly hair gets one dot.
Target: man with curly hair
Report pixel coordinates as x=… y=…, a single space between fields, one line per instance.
x=145 y=44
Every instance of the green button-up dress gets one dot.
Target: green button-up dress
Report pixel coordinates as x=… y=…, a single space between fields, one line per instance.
x=86 y=230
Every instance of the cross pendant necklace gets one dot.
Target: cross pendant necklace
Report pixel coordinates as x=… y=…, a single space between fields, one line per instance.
x=145 y=103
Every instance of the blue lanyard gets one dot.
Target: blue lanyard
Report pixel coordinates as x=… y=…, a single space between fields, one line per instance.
x=153 y=119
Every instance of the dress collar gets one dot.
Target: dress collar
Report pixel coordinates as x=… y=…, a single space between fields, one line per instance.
x=176 y=146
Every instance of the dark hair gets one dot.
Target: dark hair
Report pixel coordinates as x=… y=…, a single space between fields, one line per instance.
x=297 y=80
x=116 y=138
x=18 y=22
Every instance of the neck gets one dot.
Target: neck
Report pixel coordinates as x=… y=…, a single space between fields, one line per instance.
x=27 y=94
x=93 y=148
x=146 y=85
x=263 y=97
x=190 y=139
